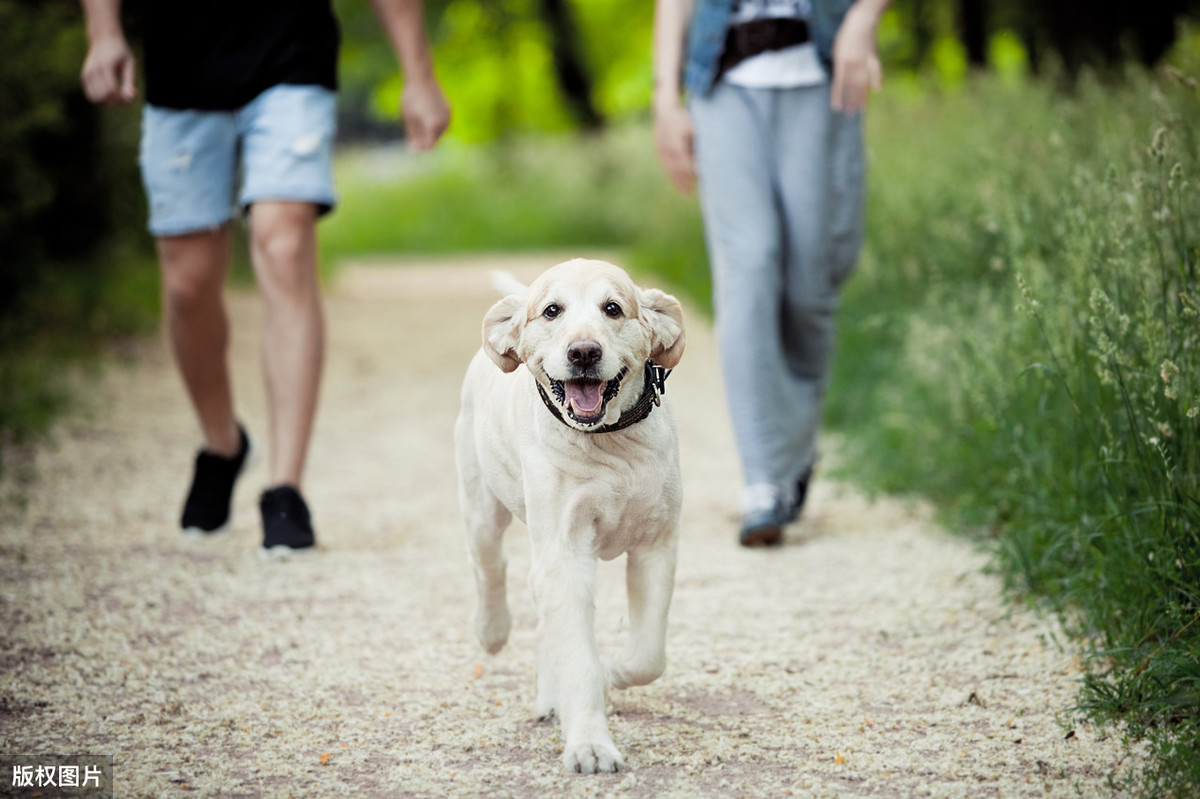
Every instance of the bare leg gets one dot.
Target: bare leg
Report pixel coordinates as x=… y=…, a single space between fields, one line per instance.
x=193 y=271
x=283 y=251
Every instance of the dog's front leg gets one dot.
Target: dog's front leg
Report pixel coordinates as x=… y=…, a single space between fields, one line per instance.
x=649 y=583
x=563 y=580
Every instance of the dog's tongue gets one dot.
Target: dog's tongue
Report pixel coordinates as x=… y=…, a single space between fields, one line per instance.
x=584 y=396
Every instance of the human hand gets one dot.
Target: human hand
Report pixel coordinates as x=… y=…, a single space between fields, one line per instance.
x=109 y=71
x=856 y=67
x=674 y=137
x=425 y=112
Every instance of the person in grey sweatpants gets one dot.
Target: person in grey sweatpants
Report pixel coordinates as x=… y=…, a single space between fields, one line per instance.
x=776 y=144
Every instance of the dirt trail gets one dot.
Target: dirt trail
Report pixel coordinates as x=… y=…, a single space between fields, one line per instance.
x=869 y=657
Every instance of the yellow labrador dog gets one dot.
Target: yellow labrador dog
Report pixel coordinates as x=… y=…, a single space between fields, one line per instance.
x=563 y=425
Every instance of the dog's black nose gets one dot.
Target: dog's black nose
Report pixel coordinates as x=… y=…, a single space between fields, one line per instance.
x=583 y=354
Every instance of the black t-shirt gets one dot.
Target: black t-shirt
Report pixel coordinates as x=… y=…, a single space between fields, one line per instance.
x=221 y=54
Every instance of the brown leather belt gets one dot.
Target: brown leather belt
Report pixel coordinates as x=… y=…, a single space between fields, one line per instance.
x=751 y=38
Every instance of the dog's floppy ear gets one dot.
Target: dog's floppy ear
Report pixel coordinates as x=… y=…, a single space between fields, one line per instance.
x=663 y=317
x=502 y=331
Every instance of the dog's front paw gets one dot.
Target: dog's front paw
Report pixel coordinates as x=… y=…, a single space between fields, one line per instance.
x=492 y=626
x=595 y=757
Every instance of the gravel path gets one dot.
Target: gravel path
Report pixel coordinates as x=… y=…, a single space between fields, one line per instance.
x=871 y=656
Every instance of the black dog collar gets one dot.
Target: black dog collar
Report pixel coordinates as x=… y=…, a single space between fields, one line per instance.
x=652 y=390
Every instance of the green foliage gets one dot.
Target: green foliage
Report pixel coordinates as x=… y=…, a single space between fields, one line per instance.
x=30 y=94
x=1007 y=57
x=617 y=39
x=1021 y=345
x=61 y=328
x=494 y=57
x=494 y=61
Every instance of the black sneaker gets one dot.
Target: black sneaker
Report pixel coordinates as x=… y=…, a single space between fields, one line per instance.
x=287 y=526
x=206 y=508
x=801 y=492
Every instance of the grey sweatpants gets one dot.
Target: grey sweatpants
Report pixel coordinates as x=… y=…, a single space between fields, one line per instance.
x=781 y=181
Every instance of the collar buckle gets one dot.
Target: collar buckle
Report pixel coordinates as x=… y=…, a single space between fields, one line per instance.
x=656 y=381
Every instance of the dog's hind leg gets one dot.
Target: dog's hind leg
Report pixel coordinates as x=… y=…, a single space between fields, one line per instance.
x=486 y=526
x=649 y=583
x=492 y=619
x=487 y=519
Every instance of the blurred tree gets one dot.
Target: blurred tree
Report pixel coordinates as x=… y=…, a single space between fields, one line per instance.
x=574 y=80
x=1078 y=33
x=1105 y=32
x=972 y=22
x=922 y=29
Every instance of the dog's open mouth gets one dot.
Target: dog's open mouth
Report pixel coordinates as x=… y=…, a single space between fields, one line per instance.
x=586 y=400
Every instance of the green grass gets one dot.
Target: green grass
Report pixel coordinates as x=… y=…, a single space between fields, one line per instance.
x=590 y=193
x=63 y=322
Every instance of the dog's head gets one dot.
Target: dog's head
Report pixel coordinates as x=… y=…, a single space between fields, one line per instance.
x=584 y=330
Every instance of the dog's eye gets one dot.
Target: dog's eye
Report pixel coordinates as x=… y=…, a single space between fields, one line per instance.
x=551 y=311
x=613 y=310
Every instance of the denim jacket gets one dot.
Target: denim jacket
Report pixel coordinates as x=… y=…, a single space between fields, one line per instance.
x=706 y=38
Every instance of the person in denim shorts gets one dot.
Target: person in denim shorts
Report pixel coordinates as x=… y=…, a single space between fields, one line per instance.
x=771 y=130
x=239 y=117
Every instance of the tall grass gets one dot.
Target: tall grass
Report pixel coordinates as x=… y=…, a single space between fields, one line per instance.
x=1023 y=345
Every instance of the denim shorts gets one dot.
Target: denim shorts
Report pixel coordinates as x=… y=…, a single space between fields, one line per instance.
x=280 y=145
